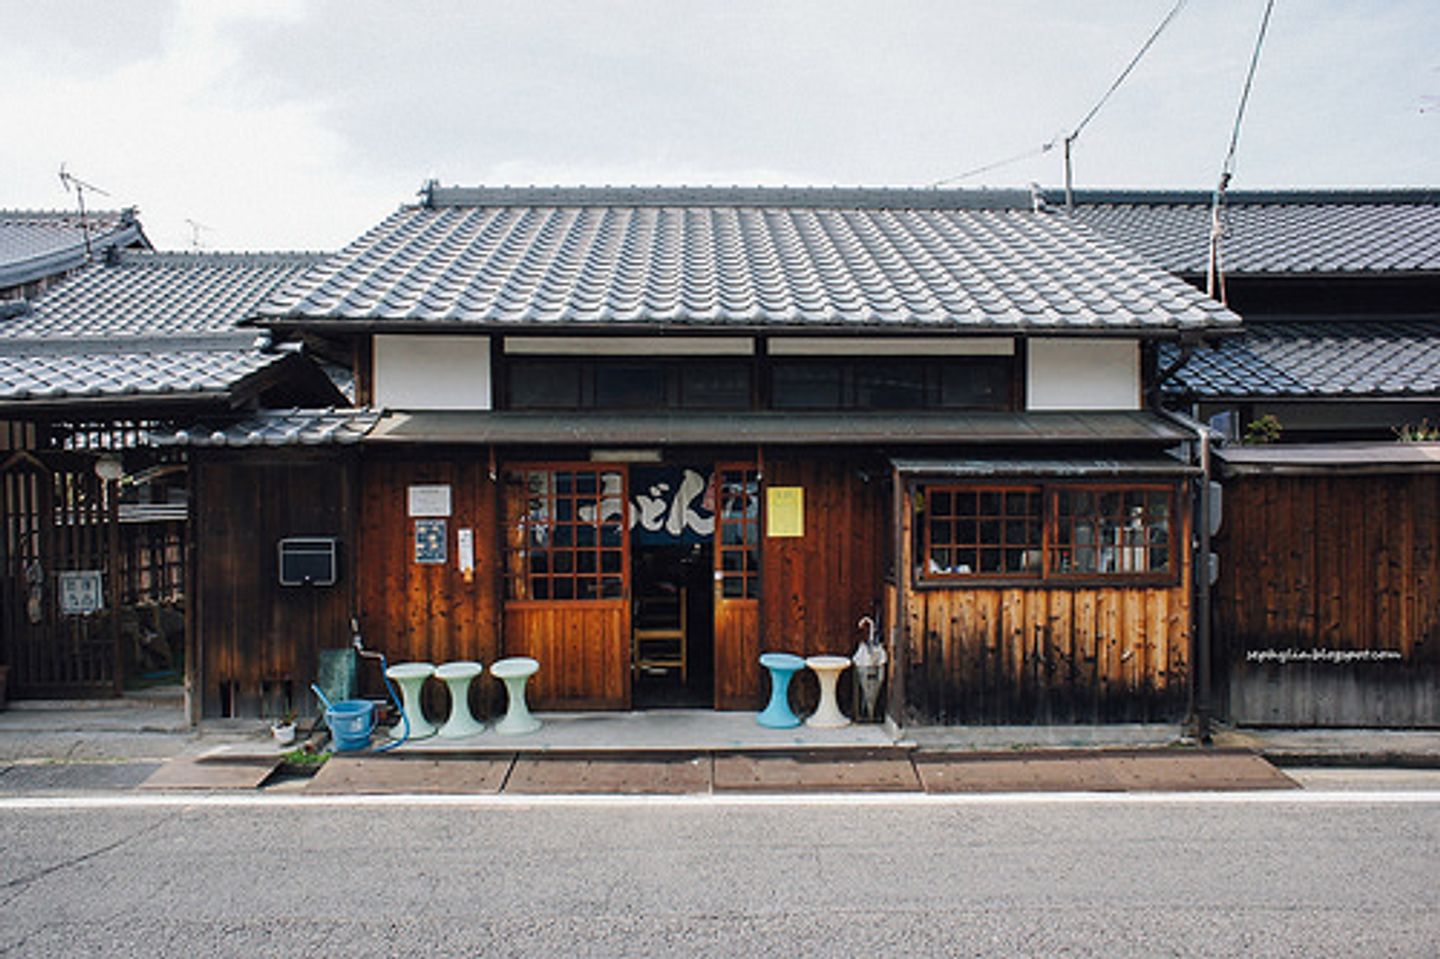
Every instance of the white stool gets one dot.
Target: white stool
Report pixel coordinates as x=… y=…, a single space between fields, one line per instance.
x=827 y=670
x=457 y=676
x=515 y=672
x=410 y=677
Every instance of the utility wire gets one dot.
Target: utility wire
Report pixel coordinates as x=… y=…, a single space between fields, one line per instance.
x=1214 y=277
x=1043 y=148
x=1071 y=137
x=1126 y=72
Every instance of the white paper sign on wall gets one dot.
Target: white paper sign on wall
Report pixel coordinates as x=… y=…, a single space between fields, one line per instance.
x=430 y=500
x=81 y=592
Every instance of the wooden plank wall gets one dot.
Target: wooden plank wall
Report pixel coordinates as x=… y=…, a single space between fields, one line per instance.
x=737 y=654
x=1051 y=655
x=1347 y=565
x=430 y=613
x=254 y=639
x=583 y=649
x=815 y=588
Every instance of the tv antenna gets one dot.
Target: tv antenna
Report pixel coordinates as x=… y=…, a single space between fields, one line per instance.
x=71 y=181
x=195 y=228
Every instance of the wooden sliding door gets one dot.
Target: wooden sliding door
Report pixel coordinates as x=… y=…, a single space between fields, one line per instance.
x=737 y=585
x=567 y=581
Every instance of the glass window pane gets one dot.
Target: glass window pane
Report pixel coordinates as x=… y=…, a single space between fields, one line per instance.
x=715 y=385
x=893 y=385
x=629 y=386
x=806 y=386
x=974 y=383
x=544 y=385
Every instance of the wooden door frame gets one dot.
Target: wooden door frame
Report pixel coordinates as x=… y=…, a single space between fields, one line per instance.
x=721 y=604
x=511 y=609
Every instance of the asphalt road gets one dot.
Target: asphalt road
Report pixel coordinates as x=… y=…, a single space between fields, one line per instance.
x=1103 y=875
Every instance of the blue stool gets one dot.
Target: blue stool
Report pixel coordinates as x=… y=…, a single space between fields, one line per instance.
x=782 y=666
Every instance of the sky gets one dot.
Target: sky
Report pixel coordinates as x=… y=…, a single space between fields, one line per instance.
x=299 y=124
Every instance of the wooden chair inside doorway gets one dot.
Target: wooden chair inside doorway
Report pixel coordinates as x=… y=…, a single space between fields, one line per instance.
x=658 y=632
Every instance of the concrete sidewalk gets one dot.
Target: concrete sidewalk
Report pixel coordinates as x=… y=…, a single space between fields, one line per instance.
x=152 y=727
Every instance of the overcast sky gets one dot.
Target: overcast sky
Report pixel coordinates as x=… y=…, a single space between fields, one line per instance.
x=298 y=125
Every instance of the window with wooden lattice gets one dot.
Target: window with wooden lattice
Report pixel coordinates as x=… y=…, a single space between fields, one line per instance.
x=566 y=532
x=1051 y=532
x=737 y=531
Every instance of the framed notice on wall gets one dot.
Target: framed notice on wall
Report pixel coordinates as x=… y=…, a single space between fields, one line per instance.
x=785 y=511
x=81 y=592
x=428 y=500
x=430 y=541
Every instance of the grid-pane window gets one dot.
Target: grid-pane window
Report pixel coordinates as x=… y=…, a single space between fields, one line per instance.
x=1059 y=532
x=566 y=538
x=892 y=383
x=737 y=528
x=1110 y=530
x=983 y=531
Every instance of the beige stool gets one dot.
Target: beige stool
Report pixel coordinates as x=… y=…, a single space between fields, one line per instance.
x=827 y=670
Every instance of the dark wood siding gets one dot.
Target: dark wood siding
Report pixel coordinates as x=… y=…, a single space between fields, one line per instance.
x=1346 y=568
x=816 y=587
x=1047 y=654
x=421 y=612
x=257 y=641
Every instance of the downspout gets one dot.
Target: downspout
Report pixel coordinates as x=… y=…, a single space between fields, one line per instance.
x=1201 y=692
x=895 y=704
x=1200 y=569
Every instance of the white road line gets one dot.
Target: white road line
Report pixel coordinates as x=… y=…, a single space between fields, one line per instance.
x=847 y=800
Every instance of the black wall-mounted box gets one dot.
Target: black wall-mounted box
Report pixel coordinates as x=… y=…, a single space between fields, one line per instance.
x=308 y=561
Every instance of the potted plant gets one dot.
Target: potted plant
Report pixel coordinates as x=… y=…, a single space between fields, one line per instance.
x=283 y=728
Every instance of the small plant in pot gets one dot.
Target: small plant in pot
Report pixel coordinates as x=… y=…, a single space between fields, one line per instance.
x=283 y=728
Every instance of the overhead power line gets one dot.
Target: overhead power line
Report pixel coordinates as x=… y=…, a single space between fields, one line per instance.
x=1070 y=138
x=1214 y=274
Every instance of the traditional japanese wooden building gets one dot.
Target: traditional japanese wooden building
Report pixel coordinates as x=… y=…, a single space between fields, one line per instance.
x=746 y=418
x=93 y=519
x=1327 y=601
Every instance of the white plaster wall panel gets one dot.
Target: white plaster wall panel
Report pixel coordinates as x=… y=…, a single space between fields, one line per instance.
x=630 y=345
x=432 y=372
x=891 y=346
x=1075 y=374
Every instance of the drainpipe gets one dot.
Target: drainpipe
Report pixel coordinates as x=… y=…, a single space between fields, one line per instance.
x=1202 y=692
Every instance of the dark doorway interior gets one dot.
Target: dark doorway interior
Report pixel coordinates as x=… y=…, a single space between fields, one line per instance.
x=667 y=579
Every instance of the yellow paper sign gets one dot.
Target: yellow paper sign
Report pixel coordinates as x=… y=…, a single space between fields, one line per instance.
x=785 y=511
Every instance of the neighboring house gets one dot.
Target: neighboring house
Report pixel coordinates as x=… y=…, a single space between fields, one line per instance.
x=89 y=370
x=787 y=408
x=38 y=248
x=1327 y=606
x=1340 y=292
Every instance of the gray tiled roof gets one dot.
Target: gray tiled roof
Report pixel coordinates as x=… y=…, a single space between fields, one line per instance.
x=162 y=373
x=154 y=325
x=1304 y=359
x=157 y=295
x=37 y=244
x=1356 y=231
x=717 y=258
x=294 y=427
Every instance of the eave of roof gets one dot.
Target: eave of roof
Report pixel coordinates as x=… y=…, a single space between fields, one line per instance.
x=1355 y=459
x=117 y=229
x=747 y=428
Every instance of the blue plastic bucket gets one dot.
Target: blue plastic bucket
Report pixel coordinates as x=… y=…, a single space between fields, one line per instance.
x=351 y=721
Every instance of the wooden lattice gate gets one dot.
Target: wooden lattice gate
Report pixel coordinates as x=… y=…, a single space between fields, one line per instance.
x=58 y=517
